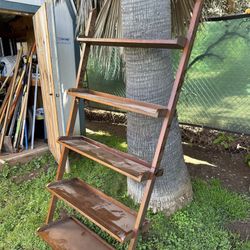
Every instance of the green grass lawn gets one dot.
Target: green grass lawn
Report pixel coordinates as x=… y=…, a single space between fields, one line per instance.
x=23 y=208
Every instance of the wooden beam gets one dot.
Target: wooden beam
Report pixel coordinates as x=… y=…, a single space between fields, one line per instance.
x=178 y=43
x=24 y=156
x=168 y=120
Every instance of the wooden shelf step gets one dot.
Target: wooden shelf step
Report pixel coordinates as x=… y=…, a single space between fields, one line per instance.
x=110 y=215
x=70 y=234
x=126 y=104
x=123 y=163
x=177 y=43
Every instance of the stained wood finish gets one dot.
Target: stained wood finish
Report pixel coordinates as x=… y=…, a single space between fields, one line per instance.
x=107 y=213
x=123 y=163
x=168 y=119
x=127 y=104
x=119 y=221
x=178 y=43
x=70 y=234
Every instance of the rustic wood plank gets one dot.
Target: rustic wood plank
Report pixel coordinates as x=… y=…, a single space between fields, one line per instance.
x=24 y=156
x=178 y=43
x=107 y=213
x=127 y=104
x=123 y=163
x=46 y=77
x=69 y=233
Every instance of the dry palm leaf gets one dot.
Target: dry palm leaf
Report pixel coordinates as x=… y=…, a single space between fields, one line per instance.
x=108 y=25
x=181 y=13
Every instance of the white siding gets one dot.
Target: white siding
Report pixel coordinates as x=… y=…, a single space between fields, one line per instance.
x=32 y=2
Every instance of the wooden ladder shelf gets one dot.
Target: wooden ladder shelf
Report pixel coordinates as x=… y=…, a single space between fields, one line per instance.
x=111 y=216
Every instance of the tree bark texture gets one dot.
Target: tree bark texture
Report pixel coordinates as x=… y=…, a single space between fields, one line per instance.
x=149 y=77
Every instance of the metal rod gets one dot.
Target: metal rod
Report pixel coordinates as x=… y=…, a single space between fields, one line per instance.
x=34 y=109
x=26 y=137
x=15 y=115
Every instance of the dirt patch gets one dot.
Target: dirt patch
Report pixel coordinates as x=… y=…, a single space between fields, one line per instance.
x=242 y=228
x=209 y=164
x=196 y=135
x=30 y=176
x=215 y=140
x=105 y=116
x=114 y=129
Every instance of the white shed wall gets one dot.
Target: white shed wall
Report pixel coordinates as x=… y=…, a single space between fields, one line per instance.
x=31 y=2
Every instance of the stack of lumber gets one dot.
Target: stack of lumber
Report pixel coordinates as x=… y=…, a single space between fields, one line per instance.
x=13 y=110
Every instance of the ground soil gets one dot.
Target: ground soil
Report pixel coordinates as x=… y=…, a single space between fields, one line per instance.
x=228 y=167
x=204 y=159
x=30 y=176
x=242 y=228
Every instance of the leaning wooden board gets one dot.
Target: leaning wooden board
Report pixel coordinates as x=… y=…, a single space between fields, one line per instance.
x=46 y=76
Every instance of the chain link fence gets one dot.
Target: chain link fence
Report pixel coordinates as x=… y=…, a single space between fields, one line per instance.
x=216 y=92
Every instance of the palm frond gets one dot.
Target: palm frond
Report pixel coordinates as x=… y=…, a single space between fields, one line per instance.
x=108 y=25
x=181 y=13
x=83 y=9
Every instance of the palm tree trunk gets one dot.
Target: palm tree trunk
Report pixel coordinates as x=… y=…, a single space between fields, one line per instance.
x=149 y=77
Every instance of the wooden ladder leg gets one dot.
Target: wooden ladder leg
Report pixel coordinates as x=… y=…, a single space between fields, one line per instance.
x=167 y=120
x=142 y=212
x=89 y=32
x=52 y=208
x=60 y=172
